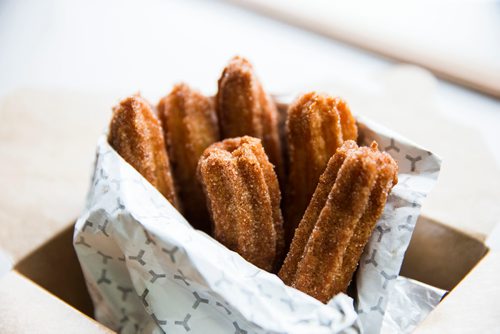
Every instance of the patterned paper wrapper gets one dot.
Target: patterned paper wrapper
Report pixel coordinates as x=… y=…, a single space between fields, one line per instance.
x=148 y=271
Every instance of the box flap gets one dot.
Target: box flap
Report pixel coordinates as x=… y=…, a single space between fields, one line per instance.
x=440 y=255
x=473 y=306
x=41 y=312
x=55 y=267
x=47 y=148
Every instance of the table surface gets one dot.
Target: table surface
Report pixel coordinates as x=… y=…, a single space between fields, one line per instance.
x=113 y=48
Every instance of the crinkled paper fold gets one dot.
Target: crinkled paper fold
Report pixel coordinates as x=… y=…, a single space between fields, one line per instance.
x=149 y=271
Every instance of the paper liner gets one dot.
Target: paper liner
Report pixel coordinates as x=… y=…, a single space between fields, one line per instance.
x=149 y=271
x=409 y=304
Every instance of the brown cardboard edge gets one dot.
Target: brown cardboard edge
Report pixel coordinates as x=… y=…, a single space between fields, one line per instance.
x=437 y=241
x=473 y=306
x=54 y=266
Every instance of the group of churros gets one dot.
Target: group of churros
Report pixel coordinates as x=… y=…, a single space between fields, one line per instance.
x=224 y=162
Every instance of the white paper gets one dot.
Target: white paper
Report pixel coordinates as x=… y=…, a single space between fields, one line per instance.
x=409 y=304
x=382 y=258
x=149 y=271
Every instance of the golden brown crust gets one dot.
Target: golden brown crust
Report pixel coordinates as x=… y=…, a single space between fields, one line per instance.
x=323 y=255
x=317 y=125
x=244 y=108
x=347 y=120
x=339 y=220
x=387 y=178
x=243 y=199
x=275 y=196
x=190 y=126
x=318 y=201
x=136 y=134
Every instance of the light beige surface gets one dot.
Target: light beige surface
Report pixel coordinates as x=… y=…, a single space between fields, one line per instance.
x=47 y=145
x=41 y=312
x=474 y=306
x=455 y=40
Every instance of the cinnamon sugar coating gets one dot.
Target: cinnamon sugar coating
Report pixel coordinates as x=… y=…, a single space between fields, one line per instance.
x=306 y=226
x=339 y=220
x=244 y=108
x=243 y=198
x=136 y=134
x=316 y=127
x=190 y=125
x=387 y=171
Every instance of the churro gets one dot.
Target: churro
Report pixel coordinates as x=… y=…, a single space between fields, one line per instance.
x=317 y=125
x=306 y=226
x=243 y=198
x=190 y=126
x=340 y=218
x=244 y=108
x=136 y=134
x=387 y=178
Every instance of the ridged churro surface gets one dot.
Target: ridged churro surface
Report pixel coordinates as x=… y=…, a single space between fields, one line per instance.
x=306 y=226
x=190 y=125
x=387 y=177
x=244 y=108
x=136 y=134
x=339 y=220
x=243 y=198
x=317 y=125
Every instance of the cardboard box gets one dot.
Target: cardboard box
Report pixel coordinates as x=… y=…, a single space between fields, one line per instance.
x=45 y=292
x=49 y=281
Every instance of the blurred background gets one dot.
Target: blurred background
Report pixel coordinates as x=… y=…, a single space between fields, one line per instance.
x=429 y=70
x=122 y=45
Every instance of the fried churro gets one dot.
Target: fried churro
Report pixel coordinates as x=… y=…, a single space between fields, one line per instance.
x=387 y=178
x=339 y=220
x=317 y=125
x=190 y=126
x=244 y=108
x=243 y=198
x=136 y=134
x=306 y=226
